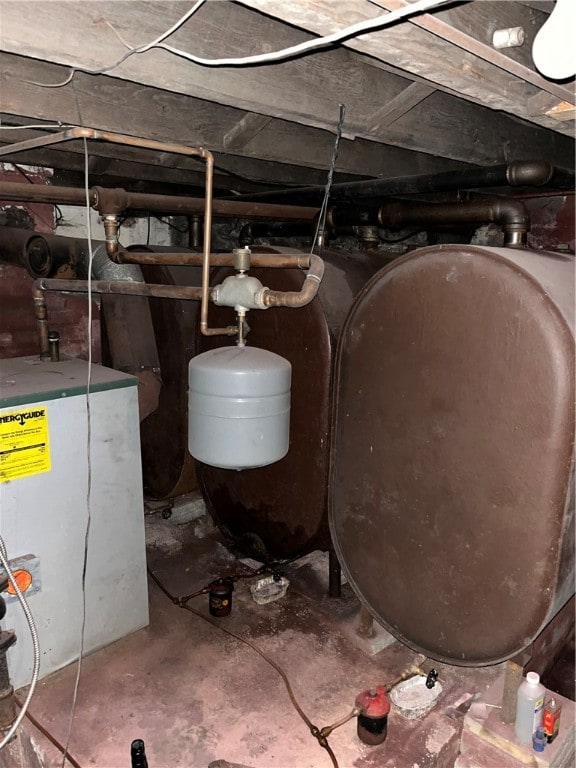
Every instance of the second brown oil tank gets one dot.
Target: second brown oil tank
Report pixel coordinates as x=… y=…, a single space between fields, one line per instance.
x=279 y=511
x=452 y=457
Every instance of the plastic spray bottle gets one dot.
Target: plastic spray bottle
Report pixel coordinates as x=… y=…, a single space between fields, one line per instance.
x=530 y=706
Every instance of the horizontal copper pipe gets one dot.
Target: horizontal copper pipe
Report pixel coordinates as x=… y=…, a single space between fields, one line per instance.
x=274 y=260
x=123 y=287
x=119 y=200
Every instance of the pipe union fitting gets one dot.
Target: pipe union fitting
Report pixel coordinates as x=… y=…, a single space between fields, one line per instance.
x=240 y=290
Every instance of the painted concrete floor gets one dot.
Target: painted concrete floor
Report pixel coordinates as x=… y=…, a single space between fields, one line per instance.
x=201 y=699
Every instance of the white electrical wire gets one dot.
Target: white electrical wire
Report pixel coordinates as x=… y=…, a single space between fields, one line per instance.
x=88 y=452
x=35 y=644
x=44 y=125
x=354 y=30
x=362 y=27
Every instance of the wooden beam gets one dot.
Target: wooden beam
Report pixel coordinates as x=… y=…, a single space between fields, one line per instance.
x=246 y=129
x=306 y=90
x=166 y=116
x=546 y=104
x=417 y=52
x=115 y=166
x=399 y=106
x=288 y=90
x=484 y=137
x=480 y=44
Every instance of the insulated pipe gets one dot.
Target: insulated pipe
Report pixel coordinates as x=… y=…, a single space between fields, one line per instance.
x=130 y=330
x=304 y=295
x=516 y=174
x=509 y=213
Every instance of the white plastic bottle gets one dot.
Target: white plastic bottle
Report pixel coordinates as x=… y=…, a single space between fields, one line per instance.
x=530 y=706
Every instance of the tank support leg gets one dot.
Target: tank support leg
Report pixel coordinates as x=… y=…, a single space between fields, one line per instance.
x=365 y=626
x=334 y=575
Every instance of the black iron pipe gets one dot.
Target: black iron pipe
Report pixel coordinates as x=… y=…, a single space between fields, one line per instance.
x=510 y=214
x=517 y=174
x=270 y=229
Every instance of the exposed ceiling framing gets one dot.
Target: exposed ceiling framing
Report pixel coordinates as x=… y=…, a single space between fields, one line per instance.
x=427 y=94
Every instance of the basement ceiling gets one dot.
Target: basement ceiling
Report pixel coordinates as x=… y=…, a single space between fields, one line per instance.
x=429 y=93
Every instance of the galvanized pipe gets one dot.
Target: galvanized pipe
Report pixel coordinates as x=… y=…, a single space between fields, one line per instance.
x=41 y=315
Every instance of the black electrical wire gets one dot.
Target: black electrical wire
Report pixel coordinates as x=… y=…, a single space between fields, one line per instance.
x=314 y=730
x=52 y=739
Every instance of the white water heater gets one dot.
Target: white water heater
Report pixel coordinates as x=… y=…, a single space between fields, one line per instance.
x=44 y=507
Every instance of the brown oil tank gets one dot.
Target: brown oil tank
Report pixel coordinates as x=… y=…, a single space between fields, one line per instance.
x=451 y=505
x=279 y=511
x=167 y=467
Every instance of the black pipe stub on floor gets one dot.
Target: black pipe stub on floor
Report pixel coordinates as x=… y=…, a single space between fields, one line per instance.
x=220 y=597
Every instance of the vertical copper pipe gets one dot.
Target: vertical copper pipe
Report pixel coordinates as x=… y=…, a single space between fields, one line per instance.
x=178 y=149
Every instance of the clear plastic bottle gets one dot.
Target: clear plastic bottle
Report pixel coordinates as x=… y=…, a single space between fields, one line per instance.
x=530 y=706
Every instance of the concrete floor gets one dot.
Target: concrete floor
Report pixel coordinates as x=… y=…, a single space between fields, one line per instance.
x=200 y=698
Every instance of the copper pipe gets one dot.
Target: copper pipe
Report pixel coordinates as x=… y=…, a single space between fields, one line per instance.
x=45 y=193
x=273 y=260
x=160 y=146
x=118 y=200
x=304 y=295
x=122 y=287
x=111 y=226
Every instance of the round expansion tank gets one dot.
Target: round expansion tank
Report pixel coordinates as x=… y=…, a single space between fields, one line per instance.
x=238 y=407
x=451 y=504
x=279 y=511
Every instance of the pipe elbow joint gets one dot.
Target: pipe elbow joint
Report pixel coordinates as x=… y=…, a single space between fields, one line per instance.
x=305 y=295
x=514 y=218
x=535 y=173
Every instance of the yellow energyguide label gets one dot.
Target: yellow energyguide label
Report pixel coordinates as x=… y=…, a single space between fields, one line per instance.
x=24 y=443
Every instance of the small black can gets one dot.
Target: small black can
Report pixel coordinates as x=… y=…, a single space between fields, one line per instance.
x=220 y=597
